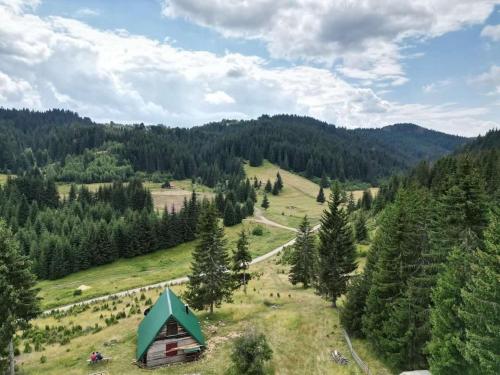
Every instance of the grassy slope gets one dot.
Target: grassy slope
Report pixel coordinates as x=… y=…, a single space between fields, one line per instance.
x=147 y=269
x=297 y=199
x=3 y=178
x=302 y=330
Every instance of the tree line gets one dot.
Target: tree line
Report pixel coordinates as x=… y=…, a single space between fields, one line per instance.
x=429 y=295
x=213 y=152
x=87 y=229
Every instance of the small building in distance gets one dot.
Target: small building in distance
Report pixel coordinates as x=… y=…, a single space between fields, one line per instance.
x=169 y=333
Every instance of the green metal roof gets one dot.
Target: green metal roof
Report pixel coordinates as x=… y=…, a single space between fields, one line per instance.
x=168 y=305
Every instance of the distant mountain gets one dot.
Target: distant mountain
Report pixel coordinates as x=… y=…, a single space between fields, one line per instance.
x=215 y=151
x=413 y=143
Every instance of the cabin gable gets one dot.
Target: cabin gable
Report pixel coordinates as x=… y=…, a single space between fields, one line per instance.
x=169 y=333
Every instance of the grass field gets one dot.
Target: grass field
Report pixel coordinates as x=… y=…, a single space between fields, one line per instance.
x=147 y=269
x=297 y=198
x=3 y=178
x=302 y=330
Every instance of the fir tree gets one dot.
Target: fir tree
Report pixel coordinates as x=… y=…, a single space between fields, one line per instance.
x=480 y=310
x=268 y=187
x=209 y=282
x=279 y=181
x=360 y=228
x=304 y=258
x=19 y=302
x=321 y=196
x=324 y=183
x=265 y=202
x=366 y=200
x=241 y=260
x=229 y=215
x=399 y=242
x=447 y=344
x=249 y=207
x=276 y=189
x=337 y=254
x=72 y=193
x=351 y=204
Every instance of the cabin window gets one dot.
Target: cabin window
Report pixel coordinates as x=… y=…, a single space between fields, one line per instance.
x=172 y=328
x=171 y=349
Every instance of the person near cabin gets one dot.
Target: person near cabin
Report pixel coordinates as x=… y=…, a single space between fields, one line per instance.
x=93 y=357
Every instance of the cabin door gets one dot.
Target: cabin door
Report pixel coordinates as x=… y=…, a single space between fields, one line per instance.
x=171 y=349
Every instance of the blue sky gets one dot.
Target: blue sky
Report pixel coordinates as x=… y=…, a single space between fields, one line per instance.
x=182 y=63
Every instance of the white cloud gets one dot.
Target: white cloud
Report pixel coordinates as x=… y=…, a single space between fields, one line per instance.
x=365 y=37
x=218 y=97
x=87 y=12
x=490 y=80
x=492 y=32
x=435 y=86
x=114 y=75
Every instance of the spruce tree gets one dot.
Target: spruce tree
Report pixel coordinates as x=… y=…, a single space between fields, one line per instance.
x=276 y=189
x=480 y=310
x=19 y=302
x=265 y=202
x=366 y=200
x=241 y=260
x=447 y=344
x=401 y=239
x=337 y=254
x=360 y=228
x=229 y=215
x=209 y=281
x=72 y=193
x=304 y=258
x=324 y=183
x=268 y=187
x=279 y=181
x=321 y=196
x=351 y=204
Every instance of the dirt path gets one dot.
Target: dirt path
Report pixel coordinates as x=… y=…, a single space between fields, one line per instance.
x=260 y=218
x=181 y=280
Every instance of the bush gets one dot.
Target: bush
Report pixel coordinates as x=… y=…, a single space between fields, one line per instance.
x=43 y=359
x=250 y=352
x=27 y=348
x=258 y=231
x=77 y=292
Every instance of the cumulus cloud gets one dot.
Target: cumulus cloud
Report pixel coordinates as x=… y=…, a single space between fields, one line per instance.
x=365 y=37
x=48 y=62
x=435 y=86
x=87 y=12
x=490 y=80
x=492 y=32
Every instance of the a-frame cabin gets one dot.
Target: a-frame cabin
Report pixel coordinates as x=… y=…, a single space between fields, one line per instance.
x=169 y=333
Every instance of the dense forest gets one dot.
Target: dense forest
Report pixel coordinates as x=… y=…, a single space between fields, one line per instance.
x=71 y=148
x=429 y=294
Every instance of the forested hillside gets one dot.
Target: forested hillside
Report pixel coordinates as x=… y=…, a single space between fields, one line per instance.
x=72 y=148
x=429 y=294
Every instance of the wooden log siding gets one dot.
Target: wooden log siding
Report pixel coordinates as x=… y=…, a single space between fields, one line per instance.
x=156 y=354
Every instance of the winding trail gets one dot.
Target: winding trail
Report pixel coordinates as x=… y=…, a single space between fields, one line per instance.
x=260 y=218
x=181 y=280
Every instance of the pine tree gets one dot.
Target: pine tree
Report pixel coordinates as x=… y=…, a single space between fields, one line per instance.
x=275 y=190
x=392 y=328
x=72 y=193
x=447 y=344
x=360 y=228
x=241 y=260
x=321 y=196
x=304 y=258
x=219 y=202
x=209 y=282
x=229 y=215
x=249 y=207
x=265 y=202
x=337 y=254
x=366 y=200
x=351 y=204
x=279 y=182
x=268 y=187
x=324 y=183
x=19 y=302
x=480 y=310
